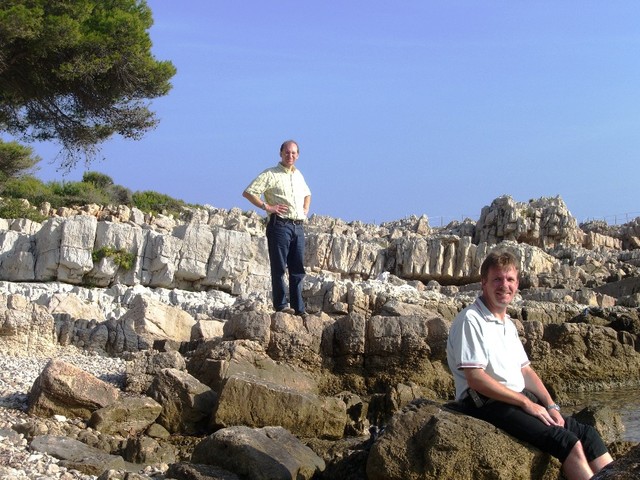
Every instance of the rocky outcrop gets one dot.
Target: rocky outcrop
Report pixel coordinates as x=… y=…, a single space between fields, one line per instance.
x=188 y=406
x=210 y=249
x=186 y=301
x=568 y=351
x=542 y=223
x=24 y=326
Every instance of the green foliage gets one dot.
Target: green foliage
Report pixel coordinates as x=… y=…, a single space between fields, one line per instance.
x=122 y=258
x=14 y=208
x=99 y=180
x=78 y=72
x=15 y=160
x=120 y=195
x=94 y=188
x=29 y=188
x=117 y=194
x=79 y=193
x=154 y=202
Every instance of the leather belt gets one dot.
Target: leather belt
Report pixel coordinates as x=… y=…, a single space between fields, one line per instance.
x=289 y=220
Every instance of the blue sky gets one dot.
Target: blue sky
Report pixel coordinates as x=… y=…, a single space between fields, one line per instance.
x=400 y=108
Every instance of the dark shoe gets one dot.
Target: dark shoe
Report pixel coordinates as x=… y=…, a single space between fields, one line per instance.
x=302 y=314
x=288 y=310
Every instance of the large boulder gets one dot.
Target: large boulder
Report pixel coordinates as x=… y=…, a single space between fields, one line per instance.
x=197 y=242
x=253 y=402
x=143 y=366
x=75 y=455
x=625 y=468
x=254 y=326
x=608 y=423
x=47 y=249
x=152 y=320
x=186 y=403
x=63 y=389
x=148 y=451
x=297 y=339
x=428 y=442
x=160 y=260
x=214 y=362
x=232 y=256
x=270 y=453
x=75 y=307
x=391 y=349
x=126 y=417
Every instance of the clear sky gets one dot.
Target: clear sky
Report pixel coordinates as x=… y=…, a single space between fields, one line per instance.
x=400 y=108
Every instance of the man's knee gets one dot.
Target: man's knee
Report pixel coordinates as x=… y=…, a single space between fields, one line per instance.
x=577 y=452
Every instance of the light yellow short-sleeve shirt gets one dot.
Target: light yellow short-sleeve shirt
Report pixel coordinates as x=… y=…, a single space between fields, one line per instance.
x=281 y=186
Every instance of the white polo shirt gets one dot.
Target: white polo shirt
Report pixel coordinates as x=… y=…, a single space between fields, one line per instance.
x=477 y=339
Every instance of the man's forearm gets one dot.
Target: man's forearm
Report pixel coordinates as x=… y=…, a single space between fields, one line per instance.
x=533 y=383
x=254 y=199
x=306 y=204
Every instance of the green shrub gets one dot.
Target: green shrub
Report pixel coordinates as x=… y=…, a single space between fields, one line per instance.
x=95 y=188
x=120 y=195
x=99 y=180
x=14 y=208
x=154 y=202
x=29 y=188
x=79 y=193
x=122 y=258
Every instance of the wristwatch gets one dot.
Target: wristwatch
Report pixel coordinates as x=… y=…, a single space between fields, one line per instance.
x=554 y=406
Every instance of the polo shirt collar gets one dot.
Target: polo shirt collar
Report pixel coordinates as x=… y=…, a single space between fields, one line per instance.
x=486 y=313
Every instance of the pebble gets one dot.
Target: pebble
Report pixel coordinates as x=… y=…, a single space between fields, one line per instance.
x=17 y=375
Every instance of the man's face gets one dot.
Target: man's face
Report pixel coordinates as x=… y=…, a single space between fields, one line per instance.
x=500 y=286
x=289 y=155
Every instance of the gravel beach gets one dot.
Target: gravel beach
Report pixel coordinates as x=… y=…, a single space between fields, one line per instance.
x=17 y=375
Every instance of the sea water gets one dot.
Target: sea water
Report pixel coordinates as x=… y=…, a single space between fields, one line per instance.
x=624 y=401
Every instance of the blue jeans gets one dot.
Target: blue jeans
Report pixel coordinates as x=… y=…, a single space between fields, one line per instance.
x=285 y=240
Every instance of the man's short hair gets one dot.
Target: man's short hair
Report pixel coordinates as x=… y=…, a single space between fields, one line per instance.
x=287 y=142
x=498 y=258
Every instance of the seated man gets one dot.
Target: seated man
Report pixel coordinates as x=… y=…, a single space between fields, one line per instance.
x=496 y=383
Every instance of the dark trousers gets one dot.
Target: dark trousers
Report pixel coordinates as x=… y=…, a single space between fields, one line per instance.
x=285 y=240
x=556 y=441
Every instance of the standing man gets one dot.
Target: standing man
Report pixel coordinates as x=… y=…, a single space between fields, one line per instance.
x=496 y=383
x=286 y=201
